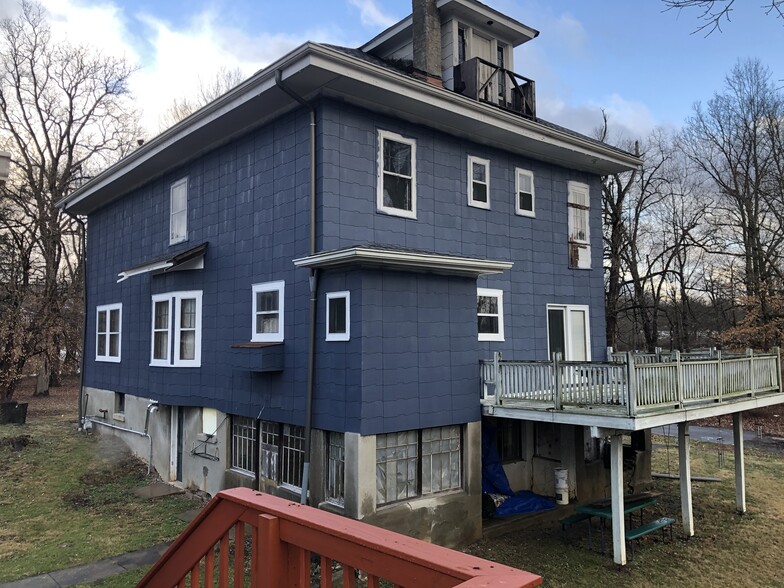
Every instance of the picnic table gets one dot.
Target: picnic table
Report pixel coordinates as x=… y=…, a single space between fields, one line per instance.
x=603 y=510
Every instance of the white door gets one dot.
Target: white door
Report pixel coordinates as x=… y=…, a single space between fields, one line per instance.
x=483 y=48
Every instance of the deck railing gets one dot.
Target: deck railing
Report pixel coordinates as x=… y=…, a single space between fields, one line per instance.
x=290 y=544
x=630 y=384
x=482 y=80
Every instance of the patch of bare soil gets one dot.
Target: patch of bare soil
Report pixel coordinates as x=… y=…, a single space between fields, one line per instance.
x=62 y=401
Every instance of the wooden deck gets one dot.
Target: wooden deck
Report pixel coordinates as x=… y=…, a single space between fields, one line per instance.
x=631 y=387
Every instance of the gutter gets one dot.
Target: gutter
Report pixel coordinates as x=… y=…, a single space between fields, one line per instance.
x=313 y=282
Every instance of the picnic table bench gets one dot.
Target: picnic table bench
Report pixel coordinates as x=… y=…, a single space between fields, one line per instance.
x=603 y=510
x=637 y=532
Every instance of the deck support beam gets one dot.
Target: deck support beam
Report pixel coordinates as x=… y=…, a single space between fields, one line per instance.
x=685 y=473
x=616 y=490
x=740 y=465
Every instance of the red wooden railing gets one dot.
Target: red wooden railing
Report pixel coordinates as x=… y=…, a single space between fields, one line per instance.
x=284 y=535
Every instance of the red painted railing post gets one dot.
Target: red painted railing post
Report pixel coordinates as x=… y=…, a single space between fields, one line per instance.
x=269 y=553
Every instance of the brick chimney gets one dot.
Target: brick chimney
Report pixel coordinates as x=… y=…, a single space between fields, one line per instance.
x=427 y=41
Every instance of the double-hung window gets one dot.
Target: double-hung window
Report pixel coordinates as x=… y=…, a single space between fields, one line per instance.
x=178 y=219
x=108 y=328
x=478 y=182
x=490 y=314
x=396 y=189
x=579 y=227
x=524 y=192
x=268 y=312
x=338 y=316
x=415 y=463
x=176 y=329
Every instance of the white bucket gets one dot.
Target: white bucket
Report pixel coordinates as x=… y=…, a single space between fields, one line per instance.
x=561 y=486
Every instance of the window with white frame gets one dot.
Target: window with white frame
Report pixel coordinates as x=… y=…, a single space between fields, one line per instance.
x=579 y=226
x=108 y=331
x=268 y=310
x=338 y=316
x=178 y=220
x=282 y=453
x=568 y=331
x=490 y=314
x=176 y=329
x=243 y=444
x=336 y=467
x=478 y=182
x=415 y=463
x=524 y=192
x=396 y=190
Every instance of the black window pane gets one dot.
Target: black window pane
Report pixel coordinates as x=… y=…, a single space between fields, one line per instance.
x=397 y=192
x=526 y=201
x=488 y=324
x=337 y=315
x=267 y=301
x=555 y=330
x=480 y=192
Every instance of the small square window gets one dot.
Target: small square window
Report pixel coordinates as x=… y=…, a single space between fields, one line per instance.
x=524 y=199
x=119 y=403
x=490 y=314
x=268 y=312
x=338 y=316
x=178 y=220
x=108 y=332
x=396 y=175
x=478 y=182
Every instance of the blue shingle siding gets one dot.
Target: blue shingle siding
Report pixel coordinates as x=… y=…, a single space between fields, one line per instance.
x=411 y=361
x=446 y=224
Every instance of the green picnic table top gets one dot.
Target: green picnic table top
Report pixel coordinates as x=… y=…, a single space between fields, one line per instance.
x=605 y=512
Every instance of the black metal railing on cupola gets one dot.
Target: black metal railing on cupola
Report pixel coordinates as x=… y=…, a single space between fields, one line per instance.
x=482 y=80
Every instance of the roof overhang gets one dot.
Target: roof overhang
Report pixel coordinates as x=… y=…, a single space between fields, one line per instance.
x=189 y=259
x=404 y=260
x=503 y=27
x=314 y=70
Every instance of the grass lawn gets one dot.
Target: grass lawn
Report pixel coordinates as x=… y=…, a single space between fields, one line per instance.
x=727 y=550
x=62 y=505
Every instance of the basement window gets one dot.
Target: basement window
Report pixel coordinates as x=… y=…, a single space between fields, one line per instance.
x=336 y=467
x=243 y=445
x=282 y=453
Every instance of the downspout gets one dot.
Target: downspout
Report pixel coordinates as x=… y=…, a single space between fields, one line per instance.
x=313 y=282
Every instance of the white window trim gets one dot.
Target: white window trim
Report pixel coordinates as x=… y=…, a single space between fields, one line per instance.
x=280 y=287
x=567 y=308
x=580 y=187
x=174 y=360
x=500 y=295
x=382 y=135
x=107 y=308
x=339 y=336
x=174 y=240
x=485 y=162
x=519 y=211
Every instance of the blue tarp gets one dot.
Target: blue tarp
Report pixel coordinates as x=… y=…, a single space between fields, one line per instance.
x=494 y=481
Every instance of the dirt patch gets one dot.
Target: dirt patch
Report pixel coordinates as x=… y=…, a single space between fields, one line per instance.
x=16 y=443
x=106 y=484
x=63 y=401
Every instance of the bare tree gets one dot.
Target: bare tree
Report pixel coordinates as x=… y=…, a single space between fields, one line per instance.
x=736 y=141
x=714 y=12
x=65 y=113
x=224 y=80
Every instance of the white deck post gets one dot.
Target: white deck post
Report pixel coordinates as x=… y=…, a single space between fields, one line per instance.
x=616 y=489
x=740 y=466
x=685 y=467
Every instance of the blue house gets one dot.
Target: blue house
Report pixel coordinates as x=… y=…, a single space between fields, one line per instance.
x=294 y=288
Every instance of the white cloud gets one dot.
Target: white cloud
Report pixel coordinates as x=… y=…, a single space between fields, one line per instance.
x=171 y=59
x=570 y=33
x=627 y=118
x=371 y=15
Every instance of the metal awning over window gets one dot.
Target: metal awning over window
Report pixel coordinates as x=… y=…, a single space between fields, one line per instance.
x=190 y=259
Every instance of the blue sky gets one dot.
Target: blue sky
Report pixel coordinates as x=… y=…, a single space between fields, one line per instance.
x=645 y=66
